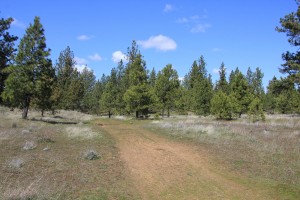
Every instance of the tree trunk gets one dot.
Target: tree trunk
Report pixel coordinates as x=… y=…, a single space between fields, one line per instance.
x=168 y=112
x=26 y=107
x=109 y=114
x=42 y=113
x=137 y=114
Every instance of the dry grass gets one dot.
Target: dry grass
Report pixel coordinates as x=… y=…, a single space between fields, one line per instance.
x=268 y=150
x=81 y=132
x=54 y=167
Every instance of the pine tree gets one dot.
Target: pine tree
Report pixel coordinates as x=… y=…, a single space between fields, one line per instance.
x=290 y=25
x=136 y=82
x=74 y=92
x=224 y=106
x=121 y=88
x=249 y=77
x=30 y=71
x=257 y=83
x=166 y=88
x=7 y=50
x=65 y=71
x=44 y=88
x=108 y=101
x=199 y=88
x=282 y=96
x=255 y=111
x=152 y=78
x=139 y=98
x=239 y=88
x=88 y=80
x=96 y=96
x=222 y=84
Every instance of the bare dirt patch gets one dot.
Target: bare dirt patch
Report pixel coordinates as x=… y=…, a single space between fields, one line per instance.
x=166 y=169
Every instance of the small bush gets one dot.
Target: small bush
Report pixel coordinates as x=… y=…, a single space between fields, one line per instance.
x=16 y=163
x=91 y=155
x=29 y=145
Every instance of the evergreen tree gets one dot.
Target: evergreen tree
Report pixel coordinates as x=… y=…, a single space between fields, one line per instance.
x=257 y=83
x=181 y=101
x=136 y=82
x=255 y=111
x=121 y=88
x=139 y=99
x=270 y=98
x=65 y=71
x=96 y=96
x=74 y=92
x=166 y=87
x=249 y=77
x=239 y=88
x=108 y=100
x=282 y=96
x=6 y=50
x=222 y=84
x=31 y=71
x=44 y=87
x=224 y=106
x=88 y=80
x=199 y=88
x=152 y=78
x=290 y=25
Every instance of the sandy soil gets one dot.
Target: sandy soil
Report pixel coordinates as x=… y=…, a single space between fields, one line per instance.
x=166 y=169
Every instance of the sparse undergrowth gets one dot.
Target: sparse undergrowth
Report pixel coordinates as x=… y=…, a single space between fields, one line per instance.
x=267 y=151
x=40 y=160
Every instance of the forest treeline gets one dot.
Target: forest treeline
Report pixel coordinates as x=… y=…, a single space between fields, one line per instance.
x=29 y=79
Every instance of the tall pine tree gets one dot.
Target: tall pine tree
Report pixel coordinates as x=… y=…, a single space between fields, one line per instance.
x=166 y=88
x=6 y=50
x=199 y=88
x=139 y=96
x=65 y=71
x=32 y=71
x=222 y=84
x=290 y=24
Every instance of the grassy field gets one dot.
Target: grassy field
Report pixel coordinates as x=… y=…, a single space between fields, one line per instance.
x=40 y=160
x=267 y=152
x=77 y=156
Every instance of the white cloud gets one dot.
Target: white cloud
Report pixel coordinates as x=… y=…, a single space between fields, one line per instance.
x=18 y=24
x=95 y=57
x=117 y=56
x=200 y=28
x=168 y=8
x=216 y=70
x=196 y=23
x=84 y=37
x=80 y=61
x=81 y=67
x=159 y=42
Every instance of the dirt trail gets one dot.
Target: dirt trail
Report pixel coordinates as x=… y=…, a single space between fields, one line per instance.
x=165 y=169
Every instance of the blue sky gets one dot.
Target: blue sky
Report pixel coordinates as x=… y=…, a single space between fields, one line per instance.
x=239 y=33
